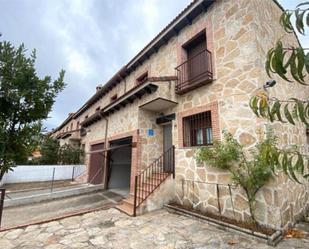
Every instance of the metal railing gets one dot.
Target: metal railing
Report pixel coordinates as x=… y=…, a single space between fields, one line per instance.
x=51 y=182
x=194 y=72
x=150 y=178
x=192 y=190
x=2 y=196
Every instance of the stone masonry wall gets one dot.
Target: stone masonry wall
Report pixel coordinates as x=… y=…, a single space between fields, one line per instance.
x=240 y=43
x=291 y=198
x=239 y=33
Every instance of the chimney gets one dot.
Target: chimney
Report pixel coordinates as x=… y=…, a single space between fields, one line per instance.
x=98 y=87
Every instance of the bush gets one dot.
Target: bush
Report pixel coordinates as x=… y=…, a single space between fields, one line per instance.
x=70 y=155
x=250 y=171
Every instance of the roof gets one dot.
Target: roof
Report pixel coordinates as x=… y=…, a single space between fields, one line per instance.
x=122 y=101
x=184 y=18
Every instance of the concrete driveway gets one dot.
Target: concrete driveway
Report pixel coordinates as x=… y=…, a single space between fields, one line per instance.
x=31 y=213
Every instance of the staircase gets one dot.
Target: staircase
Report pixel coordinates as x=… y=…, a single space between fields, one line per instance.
x=148 y=180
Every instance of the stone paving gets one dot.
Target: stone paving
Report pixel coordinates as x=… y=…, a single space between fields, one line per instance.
x=112 y=229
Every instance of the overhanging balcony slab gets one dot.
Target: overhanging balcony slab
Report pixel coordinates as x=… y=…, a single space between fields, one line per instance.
x=158 y=104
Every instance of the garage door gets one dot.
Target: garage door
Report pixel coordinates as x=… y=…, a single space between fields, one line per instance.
x=96 y=165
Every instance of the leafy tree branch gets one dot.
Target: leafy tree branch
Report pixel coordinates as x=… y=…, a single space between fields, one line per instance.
x=25 y=101
x=290 y=111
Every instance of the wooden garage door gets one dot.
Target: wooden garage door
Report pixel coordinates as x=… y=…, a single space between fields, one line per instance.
x=96 y=166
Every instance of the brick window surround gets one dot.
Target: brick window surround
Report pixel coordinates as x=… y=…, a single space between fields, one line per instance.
x=206 y=26
x=212 y=107
x=142 y=78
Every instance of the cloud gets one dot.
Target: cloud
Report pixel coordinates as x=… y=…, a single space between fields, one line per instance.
x=90 y=39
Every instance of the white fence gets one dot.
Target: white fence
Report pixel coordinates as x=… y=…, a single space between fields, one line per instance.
x=41 y=173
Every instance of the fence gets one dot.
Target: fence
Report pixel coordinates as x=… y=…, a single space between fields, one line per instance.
x=2 y=195
x=222 y=200
x=41 y=173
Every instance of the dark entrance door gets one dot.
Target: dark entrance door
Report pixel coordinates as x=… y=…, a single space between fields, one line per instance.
x=167 y=144
x=119 y=161
x=196 y=59
x=96 y=165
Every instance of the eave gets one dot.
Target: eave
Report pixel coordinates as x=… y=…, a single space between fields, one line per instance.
x=128 y=98
x=183 y=19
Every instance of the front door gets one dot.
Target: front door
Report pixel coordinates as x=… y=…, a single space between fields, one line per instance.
x=167 y=144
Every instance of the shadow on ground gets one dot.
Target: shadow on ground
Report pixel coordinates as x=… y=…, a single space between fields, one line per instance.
x=32 y=213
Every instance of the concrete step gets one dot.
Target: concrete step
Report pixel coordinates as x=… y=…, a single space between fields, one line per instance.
x=127 y=205
x=130 y=200
x=125 y=209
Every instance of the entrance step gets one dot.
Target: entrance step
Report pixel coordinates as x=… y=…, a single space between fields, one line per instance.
x=147 y=187
x=127 y=205
x=129 y=210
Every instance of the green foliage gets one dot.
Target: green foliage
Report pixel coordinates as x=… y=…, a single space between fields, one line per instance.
x=49 y=150
x=301 y=14
x=25 y=101
x=251 y=172
x=290 y=64
x=291 y=111
x=280 y=61
x=70 y=155
x=222 y=154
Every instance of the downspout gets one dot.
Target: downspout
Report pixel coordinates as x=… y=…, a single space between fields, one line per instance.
x=105 y=155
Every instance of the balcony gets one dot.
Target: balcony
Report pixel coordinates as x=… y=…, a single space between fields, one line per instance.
x=195 y=72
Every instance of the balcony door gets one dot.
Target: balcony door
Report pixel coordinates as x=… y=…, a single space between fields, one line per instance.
x=196 y=57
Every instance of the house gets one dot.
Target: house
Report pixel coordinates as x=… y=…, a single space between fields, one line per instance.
x=192 y=81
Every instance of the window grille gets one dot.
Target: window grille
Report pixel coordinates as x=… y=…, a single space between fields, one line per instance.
x=197 y=130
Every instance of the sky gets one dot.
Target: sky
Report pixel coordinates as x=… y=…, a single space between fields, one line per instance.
x=89 y=39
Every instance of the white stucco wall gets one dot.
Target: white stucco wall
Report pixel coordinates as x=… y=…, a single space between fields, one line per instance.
x=40 y=173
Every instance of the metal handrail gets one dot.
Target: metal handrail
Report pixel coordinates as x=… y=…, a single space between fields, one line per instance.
x=145 y=182
x=192 y=58
x=194 y=71
x=2 y=196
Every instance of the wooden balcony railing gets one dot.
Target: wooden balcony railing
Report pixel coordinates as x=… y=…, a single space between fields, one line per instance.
x=194 y=72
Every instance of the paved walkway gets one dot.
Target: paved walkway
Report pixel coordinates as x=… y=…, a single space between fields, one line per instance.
x=25 y=214
x=112 y=229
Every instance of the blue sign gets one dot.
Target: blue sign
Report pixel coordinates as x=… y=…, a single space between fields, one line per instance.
x=150 y=132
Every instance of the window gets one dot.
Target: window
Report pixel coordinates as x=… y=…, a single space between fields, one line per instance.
x=77 y=125
x=196 y=70
x=197 y=129
x=98 y=109
x=141 y=79
x=86 y=117
x=113 y=98
x=196 y=45
x=71 y=128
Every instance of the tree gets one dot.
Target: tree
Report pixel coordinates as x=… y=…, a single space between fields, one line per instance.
x=292 y=65
x=25 y=101
x=251 y=171
x=70 y=155
x=49 y=151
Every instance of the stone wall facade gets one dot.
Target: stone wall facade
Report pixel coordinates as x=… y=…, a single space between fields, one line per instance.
x=238 y=34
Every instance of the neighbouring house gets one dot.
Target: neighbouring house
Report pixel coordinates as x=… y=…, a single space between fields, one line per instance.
x=35 y=155
x=192 y=81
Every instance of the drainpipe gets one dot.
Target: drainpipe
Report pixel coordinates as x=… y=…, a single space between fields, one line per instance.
x=105 y=154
